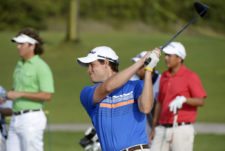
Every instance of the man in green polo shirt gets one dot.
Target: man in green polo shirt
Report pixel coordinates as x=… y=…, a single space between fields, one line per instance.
x=32 y=87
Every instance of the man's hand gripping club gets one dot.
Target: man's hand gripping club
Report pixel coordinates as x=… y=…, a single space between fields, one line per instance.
x=154 y=55
x=177 y=103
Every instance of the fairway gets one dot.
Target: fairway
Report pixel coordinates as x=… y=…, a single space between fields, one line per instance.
x=67 y=141
x=205 y=55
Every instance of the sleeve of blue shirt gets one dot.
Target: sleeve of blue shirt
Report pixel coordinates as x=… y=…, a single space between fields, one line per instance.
x=138 y=89
x=86 y=98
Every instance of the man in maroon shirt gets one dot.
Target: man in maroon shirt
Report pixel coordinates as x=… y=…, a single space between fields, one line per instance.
x=180 y=93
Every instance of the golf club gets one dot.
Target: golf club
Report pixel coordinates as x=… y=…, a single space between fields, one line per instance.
x=201 y=10
x=175 y=124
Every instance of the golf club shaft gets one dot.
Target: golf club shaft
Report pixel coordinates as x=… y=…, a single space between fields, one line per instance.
x=184 y=27
x=179 y=32
x=147 y=61
x=201 y=13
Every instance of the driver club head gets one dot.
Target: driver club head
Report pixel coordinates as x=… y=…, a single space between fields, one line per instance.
x=201 y=8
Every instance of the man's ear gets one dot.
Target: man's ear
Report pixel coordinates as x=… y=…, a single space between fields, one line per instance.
x=180 y=60
x=106 y=62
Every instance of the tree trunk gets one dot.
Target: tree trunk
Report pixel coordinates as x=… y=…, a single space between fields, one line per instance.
x=72 y=23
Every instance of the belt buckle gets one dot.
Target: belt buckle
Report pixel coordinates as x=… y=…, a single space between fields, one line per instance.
x=136 y=147
x=26 y=111
x=182 y=124
x=19 y=113
x=185 y=123
x=22 y=112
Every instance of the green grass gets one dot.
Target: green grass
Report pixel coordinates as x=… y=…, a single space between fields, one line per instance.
x=63 y=141
x=209 y=143
x=67 y=141
x=205 y=55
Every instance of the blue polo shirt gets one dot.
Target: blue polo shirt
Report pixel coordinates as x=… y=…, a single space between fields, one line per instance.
x=117 y=119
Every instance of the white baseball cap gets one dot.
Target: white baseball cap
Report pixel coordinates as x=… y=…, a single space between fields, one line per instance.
x=22 y=38
x=139 y=56
x=175 y=48
x=102 y=53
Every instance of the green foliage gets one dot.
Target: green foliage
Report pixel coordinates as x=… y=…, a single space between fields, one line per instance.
x=21 y=13
x=161 y=13
x=216 y=14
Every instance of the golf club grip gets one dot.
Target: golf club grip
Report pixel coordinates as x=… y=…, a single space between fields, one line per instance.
x=147 y=61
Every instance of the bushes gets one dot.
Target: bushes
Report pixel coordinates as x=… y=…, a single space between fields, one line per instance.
x=14 y=14
x=20 y=13
x=157 y=12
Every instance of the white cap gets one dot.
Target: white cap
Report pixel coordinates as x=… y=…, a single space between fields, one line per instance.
x=175 y=48
x=22 y=38
x=101 y=52
x=139 y=56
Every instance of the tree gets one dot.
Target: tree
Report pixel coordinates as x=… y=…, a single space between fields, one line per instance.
x=72 y=23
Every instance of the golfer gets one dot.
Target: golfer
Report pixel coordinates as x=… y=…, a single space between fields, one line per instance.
x=117 y=107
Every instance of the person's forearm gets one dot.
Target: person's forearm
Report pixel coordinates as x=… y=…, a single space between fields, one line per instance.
x=156 y=115
x=146 y=99
x=34 y=96
x=122 y=77
x=41 y=96
x=117 y=80
x=195 y=101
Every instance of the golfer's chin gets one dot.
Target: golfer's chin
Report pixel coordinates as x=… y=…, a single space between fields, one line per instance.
x=169 y=65
x=93 y=80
